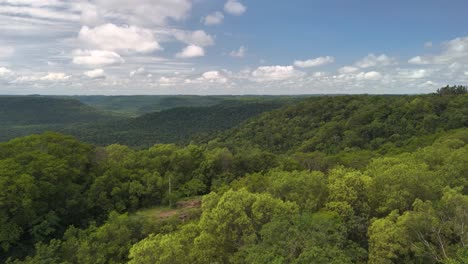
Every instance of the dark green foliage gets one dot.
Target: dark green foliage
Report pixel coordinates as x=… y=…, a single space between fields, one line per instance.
x=334 y=124
x=453 y=90
x=42 y=181
x=143 y=104
x=22 y=116
x=32 y=110
x=178 y=125
x=352 y=179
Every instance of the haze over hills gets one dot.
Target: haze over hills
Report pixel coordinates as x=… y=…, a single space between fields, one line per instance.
x=34 y=110
x=110 y=120
x=142 y=104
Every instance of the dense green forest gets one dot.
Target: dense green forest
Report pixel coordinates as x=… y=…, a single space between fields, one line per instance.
x=342 y=179
x=21 y=116
x=178 y=125
x=33 y=110
x=136 y=105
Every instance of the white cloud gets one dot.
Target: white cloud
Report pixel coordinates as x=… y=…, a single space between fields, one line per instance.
x=96 y=57
x=413 y=74
x=191 y=51
x=138 y=71
x=37 y=12
x=213 y=77
x=348 y=69
x=314 y=62
x=215 y=18
x=234 y=7
x=198 y=37
x=143 y=12
x=167 y=81
x=372 y=75
x=5 y=71
x=275 y=73
x=95 y=74
x=428 y=44
x=113 y=38
x=55 y=76
x=455 y=50
x=372 y=60
x=418 y=60
x=90 y=14
x=240 y=53
x=320 y=74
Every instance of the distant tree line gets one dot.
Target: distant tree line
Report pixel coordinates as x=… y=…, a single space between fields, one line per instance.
x=452 y=90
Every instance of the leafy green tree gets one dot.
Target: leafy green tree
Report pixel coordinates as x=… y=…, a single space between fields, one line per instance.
x=388 y=243
x=348 y=197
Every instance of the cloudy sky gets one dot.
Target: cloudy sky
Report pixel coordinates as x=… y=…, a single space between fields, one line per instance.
x=231 y=46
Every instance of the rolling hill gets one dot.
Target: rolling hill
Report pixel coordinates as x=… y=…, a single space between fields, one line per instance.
x=38 y=110
x=333 y=124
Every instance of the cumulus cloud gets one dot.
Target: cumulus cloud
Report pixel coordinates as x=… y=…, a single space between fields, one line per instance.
x=168 y=81
x=198 y=37
x=90 y=14
x=213 y=77
x=234 y=7
x=95 y=74
x=348 y=69
x=55 y=76
x=372 y=75
x=372 y=60
x=418 y=60
x=191 y=51
x=275 y=73
x=138 y=71
x=413 y=73
x=114 y=38
x=5 y=71
x=215 y=18
x=314 y=62
x=453 y=51
x=96 y=57
x=240 y=53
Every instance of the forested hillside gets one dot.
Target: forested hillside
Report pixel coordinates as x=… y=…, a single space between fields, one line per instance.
x=332 y=124
x=177 y=125
x=21 y=116
x=346 y=179
x=35 y=110
x=136 y=105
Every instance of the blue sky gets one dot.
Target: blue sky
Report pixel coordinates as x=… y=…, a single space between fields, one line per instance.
x=231 y=46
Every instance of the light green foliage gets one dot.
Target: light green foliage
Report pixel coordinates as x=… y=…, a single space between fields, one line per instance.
x=353 y=179
x=433 y=232
x=228 y=222
x=305 y=238
x=349 y=197
x=307 y=189
x=388 y=242
x=108 y=243
x=398 y=181
x=165 y=249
